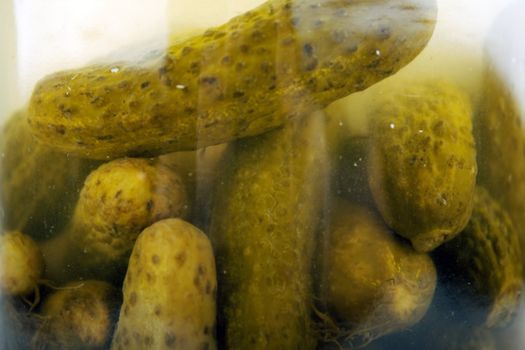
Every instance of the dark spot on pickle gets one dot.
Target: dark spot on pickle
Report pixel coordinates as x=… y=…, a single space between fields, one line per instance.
x=226 y=60
x=244 y=48
x=186 y=50
x=133 y=298
x=155 y=259
x=209 y=80
x=144 y=85
x=308 y=49
x=158 y=310
x=149 y=205
x=170 y=339
x=238 y=94
x=180 y=258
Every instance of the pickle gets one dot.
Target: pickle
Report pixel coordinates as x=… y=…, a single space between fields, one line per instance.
x=169 y=290
x=487 y=262
x=501 y=143
x=118 y=200
x=79 y=316
x=21 y=264
x=248 y=76
x=39 y=186
x=422 y=162
x=267 y=206
x=374 y=283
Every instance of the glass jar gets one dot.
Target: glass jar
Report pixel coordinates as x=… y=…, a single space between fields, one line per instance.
x=290 y=174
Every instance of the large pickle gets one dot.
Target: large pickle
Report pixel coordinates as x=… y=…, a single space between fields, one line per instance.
x=263 y=225
x=422 y=162
x=39 y=186
x=250 y=75
x=373 y=282
x=486 y=262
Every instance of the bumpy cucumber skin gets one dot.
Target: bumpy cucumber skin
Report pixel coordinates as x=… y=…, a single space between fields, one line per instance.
x=250 y=75
x=488 y=257
x=39 y=186
x=500 y=139
x=263 y=226
x=169 y=290
x=79 y=316
x=374 y=283
x=422 y=162
x=118 y=200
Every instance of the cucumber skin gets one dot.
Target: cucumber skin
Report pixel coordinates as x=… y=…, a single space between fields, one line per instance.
x=282 y=60
x=263 y=228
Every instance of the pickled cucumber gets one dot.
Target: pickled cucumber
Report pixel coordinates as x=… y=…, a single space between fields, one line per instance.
x=250 y=75
x=487 y=262
x=501 y=144
x=422 y=162
x=39 y=186
x=268 y=203
x=21 y=264
x=118 y=200
x=374 y=283
x=79 y=316
x=169 y=291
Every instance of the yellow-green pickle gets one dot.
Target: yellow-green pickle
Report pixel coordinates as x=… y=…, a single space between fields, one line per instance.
x=296 y=178
x=422 y=162
x=268 y=204
x=169 y=291
x=250 y=75
x=117 y=201
x=487 y=262
x=373 y=282
x=81 y=315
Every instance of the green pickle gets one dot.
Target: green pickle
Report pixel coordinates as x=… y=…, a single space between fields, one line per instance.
x=487 y=262
x=374 y=283
x=281 y=60
x=267 y=207
x=422 y=162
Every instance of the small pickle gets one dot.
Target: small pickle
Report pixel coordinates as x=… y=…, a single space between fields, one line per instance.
x=79 y=316
x=39 y=186
x=268 y=204
x=119 y=199
x=169 y=291
x=279 y=61
x=422 y=162
x=21 y=264
x=487 y=261
x=374 y=283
